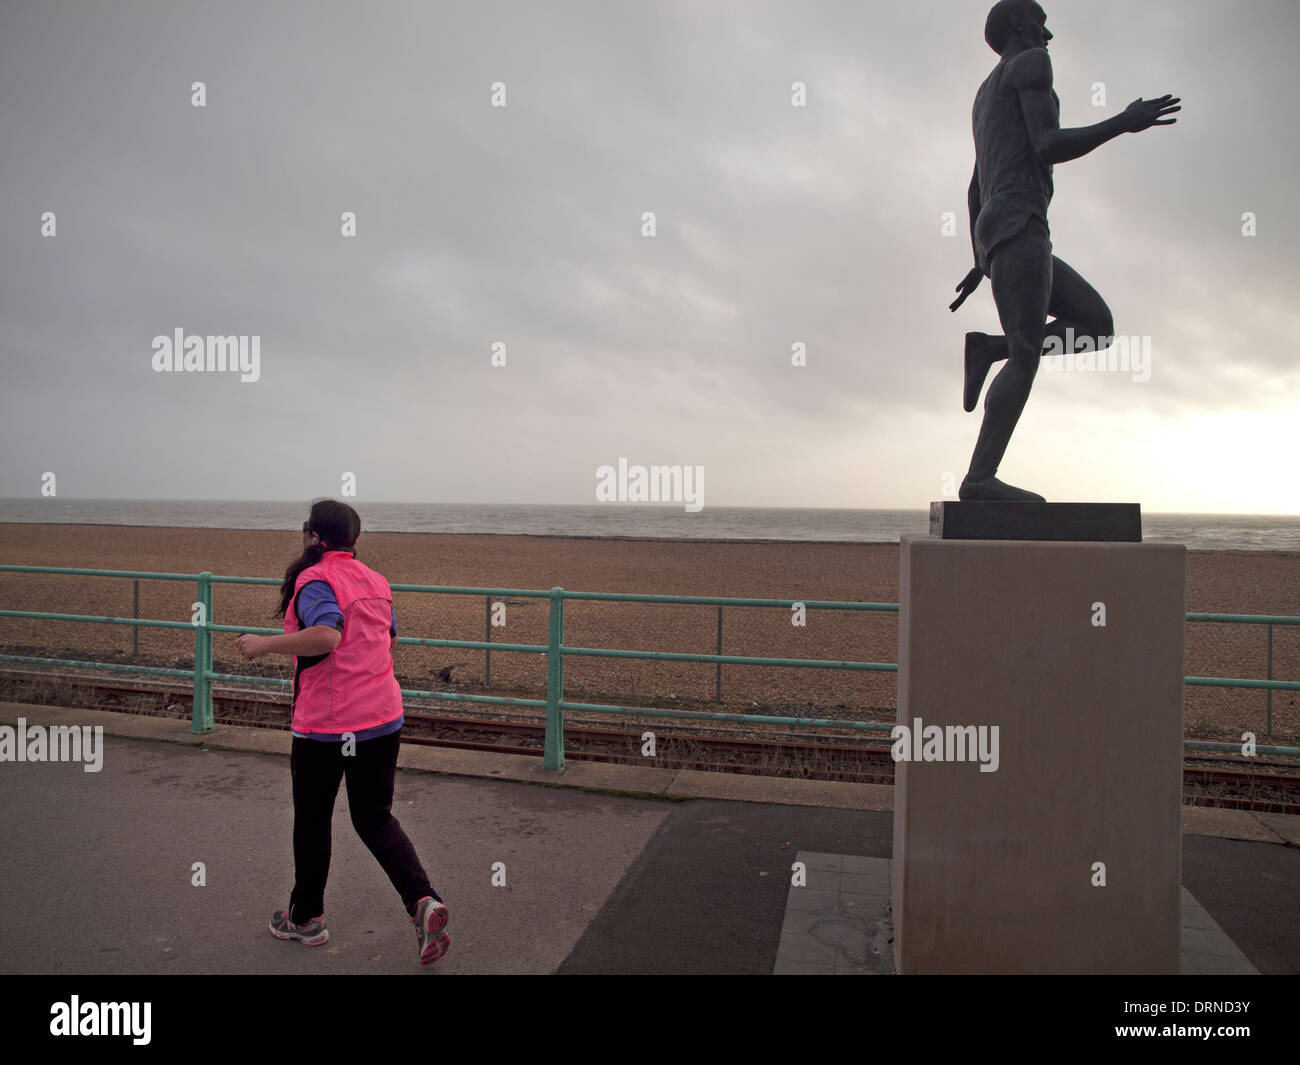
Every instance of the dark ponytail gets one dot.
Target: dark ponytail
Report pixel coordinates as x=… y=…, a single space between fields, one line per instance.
x=338 y=527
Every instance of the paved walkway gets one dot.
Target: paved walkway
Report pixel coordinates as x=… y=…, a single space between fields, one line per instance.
x=599 y=875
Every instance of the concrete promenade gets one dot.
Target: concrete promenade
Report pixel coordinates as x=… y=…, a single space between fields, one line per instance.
x=606 y=869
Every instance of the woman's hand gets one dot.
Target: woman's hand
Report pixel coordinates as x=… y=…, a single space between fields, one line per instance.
x=251 y=646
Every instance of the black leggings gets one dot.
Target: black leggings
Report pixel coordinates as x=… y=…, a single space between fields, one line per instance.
x=316 y=768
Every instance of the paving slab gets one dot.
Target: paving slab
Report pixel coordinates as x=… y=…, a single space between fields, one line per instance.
x=850 y=924
x=1227 y=824
x=1286 y=826
x=849 y=931
x=691 y=783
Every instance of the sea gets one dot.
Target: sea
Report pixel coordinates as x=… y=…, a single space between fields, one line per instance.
x=1200 y=532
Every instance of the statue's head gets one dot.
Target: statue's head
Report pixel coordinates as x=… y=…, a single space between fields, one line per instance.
x=1011 y=19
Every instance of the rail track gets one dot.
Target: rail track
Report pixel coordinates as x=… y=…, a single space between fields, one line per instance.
x=1266 y=786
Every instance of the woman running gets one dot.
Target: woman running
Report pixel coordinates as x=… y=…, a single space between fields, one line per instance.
x=340 y=626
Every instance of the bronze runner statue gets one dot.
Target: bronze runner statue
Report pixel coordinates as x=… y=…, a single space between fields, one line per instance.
x=1018 y=139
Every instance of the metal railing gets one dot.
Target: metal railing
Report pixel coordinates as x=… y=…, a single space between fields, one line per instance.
x=556 y=651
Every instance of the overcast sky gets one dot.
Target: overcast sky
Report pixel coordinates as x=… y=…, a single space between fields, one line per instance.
x=522 y=224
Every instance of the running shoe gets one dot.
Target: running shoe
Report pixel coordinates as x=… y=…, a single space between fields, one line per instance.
x=313 y=933
x=430 y=919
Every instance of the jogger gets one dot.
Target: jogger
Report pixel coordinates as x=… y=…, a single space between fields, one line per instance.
x=340 y=626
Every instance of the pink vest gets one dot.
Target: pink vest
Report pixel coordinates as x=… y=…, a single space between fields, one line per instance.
x=353 y=687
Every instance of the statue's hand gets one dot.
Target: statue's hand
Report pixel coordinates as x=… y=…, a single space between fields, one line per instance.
x=1143 y=114
x=968 y=284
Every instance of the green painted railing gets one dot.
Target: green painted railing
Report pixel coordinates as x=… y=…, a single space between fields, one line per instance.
x=556 y=651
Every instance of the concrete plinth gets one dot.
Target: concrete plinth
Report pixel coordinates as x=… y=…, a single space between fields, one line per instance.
x=997 y=870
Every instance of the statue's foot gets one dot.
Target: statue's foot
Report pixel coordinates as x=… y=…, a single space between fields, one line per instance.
x=977 y=368
x=993 y=489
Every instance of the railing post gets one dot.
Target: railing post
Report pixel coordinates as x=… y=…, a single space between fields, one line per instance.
x=487 y=638
x=1268 y=706
x=717 y=695
x=135 y=613
x=201 y=719
x=553 y=757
